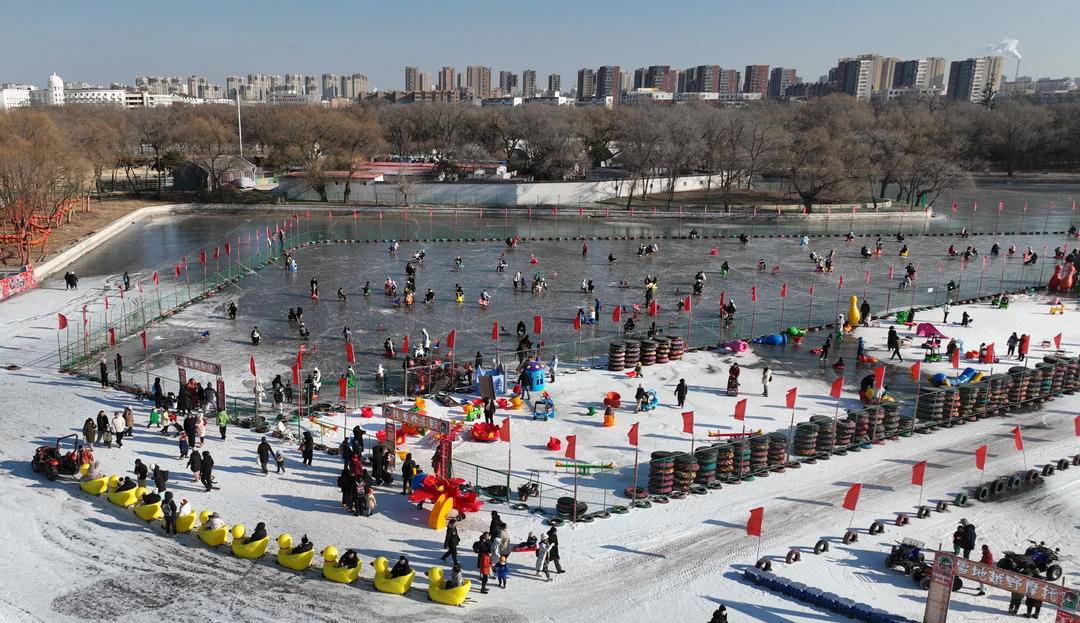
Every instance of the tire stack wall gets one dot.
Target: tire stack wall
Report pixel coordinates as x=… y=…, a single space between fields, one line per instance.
x=891 y=419
x=806 y=435
x=862 y=426
x=759 y=455
x=1018 y=392
x=706 y=461
x=968 y=401
x=648 y=352
x=952 y=405
x=826 y=435
x=1046 y=381
x=676 y=348
x=876 y=415
x=663 y=349
x=686 y=468
x=999 y=394
x=778 y=444
x=631 y=354
x=742 y=460
x=1058 y=372
x=616 y=357
x=725 y=461
x=931 y=407
x=845 y=435
x=662 y=473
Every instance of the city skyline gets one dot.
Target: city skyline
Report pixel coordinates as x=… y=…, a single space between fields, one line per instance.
x=356 y=39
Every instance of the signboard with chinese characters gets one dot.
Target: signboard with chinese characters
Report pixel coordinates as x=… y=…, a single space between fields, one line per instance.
x=198 y=364
x=940 y=593
x=394 y=414
x=1066 y=599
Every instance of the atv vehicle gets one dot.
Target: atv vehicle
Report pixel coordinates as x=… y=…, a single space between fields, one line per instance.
x=1035 y=560
x=906 y=554
x=55 y=460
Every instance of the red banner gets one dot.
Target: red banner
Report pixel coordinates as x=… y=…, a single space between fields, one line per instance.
x=918 y=470
x=251 y=365
x=687 y=304
x=792 y=394
x=753 y=525
x=504 y=430
x=61 y=321
x=688 y=422
x=616 y=313
x=632 y=436
x=451 y=339
x=350 y=354
x=495 y=330
x=1018 y=438
x=915 y=370
x=571 y=446
x=851 y=498
x=879 y=377
x=112 y=336
x=740 y=410
x=142 y=336
x=980 y=458
x=538 y=324
x=837 y=387
x=342 y=387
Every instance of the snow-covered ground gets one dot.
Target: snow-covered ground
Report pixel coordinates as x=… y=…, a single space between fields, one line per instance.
x=72 y=557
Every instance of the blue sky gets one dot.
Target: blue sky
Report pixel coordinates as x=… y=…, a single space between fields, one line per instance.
x=113 y=40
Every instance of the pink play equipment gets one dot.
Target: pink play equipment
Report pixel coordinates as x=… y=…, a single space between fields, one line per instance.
x=928 y=330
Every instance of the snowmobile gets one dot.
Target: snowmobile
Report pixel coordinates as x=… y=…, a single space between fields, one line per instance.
x=906 y=554
x=55 y=461
x=1035 y=560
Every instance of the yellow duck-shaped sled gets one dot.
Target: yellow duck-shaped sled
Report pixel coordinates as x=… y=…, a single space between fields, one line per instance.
x=211 y=536
x=94 y=486
x=243 y=549
x=386 y=584
x=185 y=523
x=123 y=499
x=335 y=573
x=148 y=512
x=296 y=562
x=439 y=594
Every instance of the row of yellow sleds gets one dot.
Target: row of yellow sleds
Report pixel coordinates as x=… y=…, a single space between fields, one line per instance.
x=331 y=570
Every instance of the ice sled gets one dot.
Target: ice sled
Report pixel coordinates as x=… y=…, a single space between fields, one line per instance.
x=331 y=571
x=95 y=486
x=386 y=584
x=252 y=550
x=296 y=562
x=441 y=595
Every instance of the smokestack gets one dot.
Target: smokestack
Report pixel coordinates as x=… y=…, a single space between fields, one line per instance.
x=1008 y=47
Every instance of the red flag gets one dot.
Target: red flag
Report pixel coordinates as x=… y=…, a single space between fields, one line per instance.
x=1057 y=341
x=350 y=354
x=840 y=285
x=451 y=339
x=918 y=470
x=955 y=359
x=176 y=269
x=879 y=377
x=792 y=394
x=504 y=430
x=112 y=336
x=811 y=289
x=632 y=435
x=1025 y=344
x=121 y=293
x=1001 y=206
x=740 y=410
x=155 y=277
x=202 y=257
x=106 y=302
x=890 y=272
x=251 y=365
x=61 y=321
x=538 y=324
x=495 y=330
x=577 y=322
x=687 y=304
x=721 y=299
x=783 y=291
x=142 y=336
x=405 y=345
x=343 y=387
x=753 y=525
x=915 y=369
x=837 y=387
x=571 y=446
x=616 y=313
x=688 y=422
x=753 y=293
x=1076 y=425
x=217 y=253
x=1018 y=438
x=980 y=458
x=989 y=353
x=851 y=499
x=654 y=307
x=954 y=206
x=228 y=249
x=296 y=373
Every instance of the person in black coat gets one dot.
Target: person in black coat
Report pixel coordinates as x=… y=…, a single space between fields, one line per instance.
x=489 y=411
x=256 y=535
x=119 y=369
x=195 y=464
x=450 y=541
x=168 y=510
x=264 y=451
x=347 y=483
x=183 y=405
x=103 y=367
x=358 y=439
x=206 y=471
x=307 y=448
x=141 y=472
x=190 y=427
x=409 y=468
x=496 y=521
x=680 y=392
x=553 y=550
x=968 y=542
x=159 y=394
x=161 y=478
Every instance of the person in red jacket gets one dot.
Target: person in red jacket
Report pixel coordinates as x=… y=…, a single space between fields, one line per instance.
x=987 y=558
x=484 y=565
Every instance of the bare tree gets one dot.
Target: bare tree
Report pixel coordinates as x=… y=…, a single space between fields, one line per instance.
x=209 y=141
x=355 y=141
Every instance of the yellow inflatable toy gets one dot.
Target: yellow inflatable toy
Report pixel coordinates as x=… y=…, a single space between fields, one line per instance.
x=185 y=523
x=331 y=571
x=853 y=315
x=148 y=512
x=515 y=402
x=213 y=538
x=440 y=511
x=296 y=562
x=386 y=584
x=252 y=550
x=439 y=594
x=123 y=499
x=95 y=486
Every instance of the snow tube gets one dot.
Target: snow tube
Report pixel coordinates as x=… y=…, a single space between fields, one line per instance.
x=438 y=592
x=95 y=486
x=213 y=538
x=484 y=432
x=939 y=380
x=867 y=359
x=331 y=571
x=554 y=444
x=148 y=512
x=296 y=562
x=367 y=412
x=252 y=550
x=964 y=377
x=386 y=584
x=776 y=339
x=123 y=499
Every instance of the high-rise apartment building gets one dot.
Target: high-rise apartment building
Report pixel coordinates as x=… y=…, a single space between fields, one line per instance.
x=730 y=81
x=554 y=82
x=920 y=74
x=412 y=79
x=700 y=79
x=311 y=86
x=295 y=83
x=232 y=86
x=756 y=79
x=478 y=78
x=425 y=82
x=330 y=86
x=586 y=84
x=354 y=86
x=659 y=77
x=609 y=82
x=970 y=79
x=258 y=88
x=507 y=83
x=446 y=79
x=528 y=83
x=780 y=79
x=859 y=77
x=886 y=74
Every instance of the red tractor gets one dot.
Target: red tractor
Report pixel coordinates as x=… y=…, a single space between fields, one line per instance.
x=56 y=460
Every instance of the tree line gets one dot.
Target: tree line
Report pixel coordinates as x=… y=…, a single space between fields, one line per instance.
x=830 y=148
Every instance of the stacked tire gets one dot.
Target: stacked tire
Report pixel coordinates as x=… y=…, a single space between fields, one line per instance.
x=1046 y=381
x=845 y=435
x=706 y=460
x=663 y=346
x=648 y=353
x=891 y=419
x=806 y=435
x=759 y=455
x=616 y=357
x=876 y=420
x=742 y=460
x=631 y=354
x=1018 y=391
x=951 y=405
x=778 y=443
x=676 y=348
x=725 y=461
x=662 y=473
x=999 y=394
x=931 y=408
x=826 y=435
x=862 y=426
x=565 y=508
x=686 y=469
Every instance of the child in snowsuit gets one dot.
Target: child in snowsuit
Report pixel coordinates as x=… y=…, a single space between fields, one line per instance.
x=502 y=571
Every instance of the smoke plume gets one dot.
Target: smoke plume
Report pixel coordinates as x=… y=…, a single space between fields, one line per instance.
x=1006 y=47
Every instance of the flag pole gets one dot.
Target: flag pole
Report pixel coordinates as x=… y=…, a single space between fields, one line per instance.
x=753 y=318
x=810 y=307
x=633 y=500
